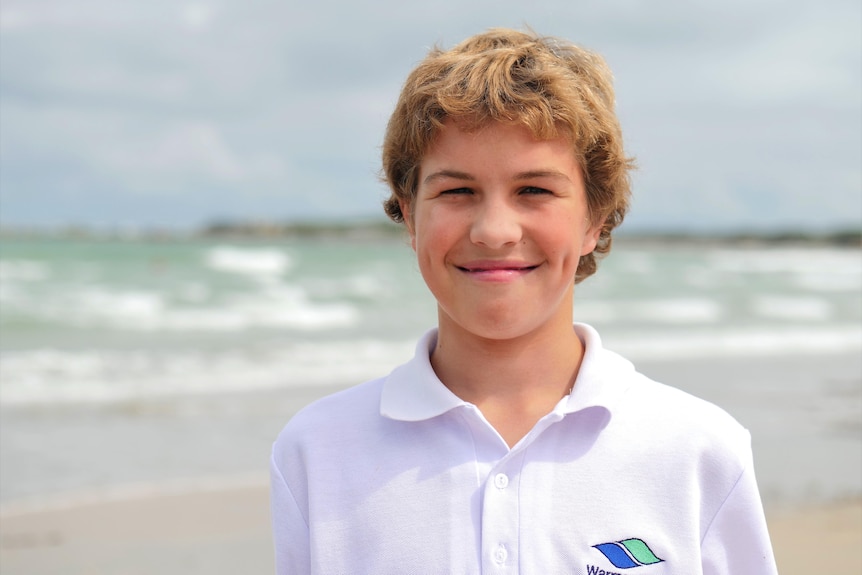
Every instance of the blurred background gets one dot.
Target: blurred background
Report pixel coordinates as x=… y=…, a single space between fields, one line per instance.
x=126 y=115
x=192 y=247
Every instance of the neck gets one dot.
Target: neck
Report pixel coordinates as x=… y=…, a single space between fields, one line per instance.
x=514 y=382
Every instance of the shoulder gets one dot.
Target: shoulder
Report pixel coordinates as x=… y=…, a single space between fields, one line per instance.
x=684 y=428
x=680 y=410
x=325 y=425
x=350 y=423
x=644 y=410
x=679 y=440
x=350 y=409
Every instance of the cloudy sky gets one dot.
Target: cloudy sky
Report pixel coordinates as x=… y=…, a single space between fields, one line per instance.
x=159 y=113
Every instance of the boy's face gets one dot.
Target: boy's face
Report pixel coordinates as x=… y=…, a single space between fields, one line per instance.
x=499 y=223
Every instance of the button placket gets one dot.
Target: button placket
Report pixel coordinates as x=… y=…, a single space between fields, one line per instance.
x=501 y=517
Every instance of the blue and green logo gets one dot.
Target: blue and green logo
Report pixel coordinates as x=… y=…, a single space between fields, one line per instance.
x=628 y=553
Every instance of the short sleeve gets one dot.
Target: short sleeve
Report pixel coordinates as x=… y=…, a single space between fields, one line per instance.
x=289 y=527
x=737 y=540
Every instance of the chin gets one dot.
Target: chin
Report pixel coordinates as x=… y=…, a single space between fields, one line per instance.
x=500 y=327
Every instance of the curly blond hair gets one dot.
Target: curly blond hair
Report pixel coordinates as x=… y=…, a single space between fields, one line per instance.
x=549 y=85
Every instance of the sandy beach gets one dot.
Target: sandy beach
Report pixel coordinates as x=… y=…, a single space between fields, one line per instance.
x=226 y=531
x=825 y=539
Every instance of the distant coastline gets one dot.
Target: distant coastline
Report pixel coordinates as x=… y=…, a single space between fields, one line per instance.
x=380 y=230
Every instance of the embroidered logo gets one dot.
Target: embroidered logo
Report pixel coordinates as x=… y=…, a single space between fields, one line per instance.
x=628 y=553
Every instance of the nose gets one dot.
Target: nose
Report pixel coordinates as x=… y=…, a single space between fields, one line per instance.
x=495 y=224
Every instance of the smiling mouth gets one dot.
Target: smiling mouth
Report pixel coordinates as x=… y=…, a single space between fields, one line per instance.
x=480 y=269
x=490 y=269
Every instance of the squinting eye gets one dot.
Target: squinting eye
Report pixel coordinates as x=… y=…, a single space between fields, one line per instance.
x=456 y=191
x=531 y=190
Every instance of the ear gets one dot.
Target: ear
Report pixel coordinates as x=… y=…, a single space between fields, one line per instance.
x=591 y=238
x=408 y=222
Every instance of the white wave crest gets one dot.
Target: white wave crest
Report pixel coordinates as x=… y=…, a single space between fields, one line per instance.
x=792 y=308
x=61 y=376
x=248 y=261
x=272 y=306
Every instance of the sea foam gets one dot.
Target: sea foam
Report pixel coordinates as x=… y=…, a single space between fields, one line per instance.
x=249 y=261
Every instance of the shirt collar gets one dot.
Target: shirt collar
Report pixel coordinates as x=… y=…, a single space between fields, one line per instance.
x=412 y=392
x=602 y=377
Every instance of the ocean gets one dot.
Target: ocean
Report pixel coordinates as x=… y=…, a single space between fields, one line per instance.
x=95 y=326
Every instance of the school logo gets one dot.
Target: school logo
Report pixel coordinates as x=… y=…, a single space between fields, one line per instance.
x=628 y=553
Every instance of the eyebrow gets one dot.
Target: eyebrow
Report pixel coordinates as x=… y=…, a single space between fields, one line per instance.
x=528 y=175
x=453 y=174
x=531 y=174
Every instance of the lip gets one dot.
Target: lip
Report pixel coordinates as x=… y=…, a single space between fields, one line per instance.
x=496 y=270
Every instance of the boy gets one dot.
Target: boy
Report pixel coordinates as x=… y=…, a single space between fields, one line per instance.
x=512 y=442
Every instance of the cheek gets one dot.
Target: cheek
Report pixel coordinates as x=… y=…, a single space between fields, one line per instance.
x=434 y=229
x=566 y=237
x=429 y=266
x=434 y=244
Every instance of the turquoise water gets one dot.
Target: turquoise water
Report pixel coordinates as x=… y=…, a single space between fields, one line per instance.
x=139 y=364
x=102 y=320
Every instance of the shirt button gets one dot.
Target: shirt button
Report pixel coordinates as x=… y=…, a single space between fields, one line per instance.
x=500 y=554
x=501 y=480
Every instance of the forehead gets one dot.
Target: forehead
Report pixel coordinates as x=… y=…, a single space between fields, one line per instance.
x=502 y=145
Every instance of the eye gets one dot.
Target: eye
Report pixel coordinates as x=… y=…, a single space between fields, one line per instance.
x=534 y=191
x=456 y=192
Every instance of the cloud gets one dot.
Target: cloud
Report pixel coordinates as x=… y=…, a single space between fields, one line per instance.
x=171 y=113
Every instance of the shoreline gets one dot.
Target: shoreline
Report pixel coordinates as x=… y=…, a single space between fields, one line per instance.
x=225 y=529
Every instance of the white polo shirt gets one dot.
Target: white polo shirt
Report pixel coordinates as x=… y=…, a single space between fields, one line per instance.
x=398 y=475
